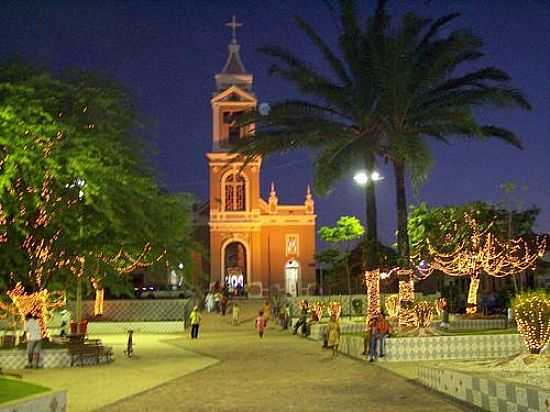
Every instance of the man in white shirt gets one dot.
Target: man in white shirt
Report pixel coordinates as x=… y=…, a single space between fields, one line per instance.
x=34 y=341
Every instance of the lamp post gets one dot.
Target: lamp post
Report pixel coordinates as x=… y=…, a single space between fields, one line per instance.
x=362 y=178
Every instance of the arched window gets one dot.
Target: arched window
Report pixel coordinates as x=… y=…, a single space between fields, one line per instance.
x=235 y=192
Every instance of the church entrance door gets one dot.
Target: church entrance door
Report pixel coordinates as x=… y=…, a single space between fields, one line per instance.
x=292 y=270
x=235 y=270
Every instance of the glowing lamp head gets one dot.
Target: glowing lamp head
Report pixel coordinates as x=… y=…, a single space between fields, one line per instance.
x=375 y=176
x=361 y=178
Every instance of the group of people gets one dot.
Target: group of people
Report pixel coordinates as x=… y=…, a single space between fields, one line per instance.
x=376 y=332
x=216 y=301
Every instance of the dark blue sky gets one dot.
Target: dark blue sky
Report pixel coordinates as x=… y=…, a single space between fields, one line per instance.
x=167 y=52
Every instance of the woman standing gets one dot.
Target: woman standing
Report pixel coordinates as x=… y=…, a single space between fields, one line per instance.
x=333 y=333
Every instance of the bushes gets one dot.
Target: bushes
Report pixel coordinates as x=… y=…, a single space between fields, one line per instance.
x=532 y=311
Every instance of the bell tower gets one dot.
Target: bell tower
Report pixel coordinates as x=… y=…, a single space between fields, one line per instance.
x=234 y=187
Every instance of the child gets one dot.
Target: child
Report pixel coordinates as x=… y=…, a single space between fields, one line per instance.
x=261 y=324
x=236 y=312
x=333 y=334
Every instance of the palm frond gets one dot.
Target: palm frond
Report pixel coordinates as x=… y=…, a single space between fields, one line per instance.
x=502 y=134
x=335 y=63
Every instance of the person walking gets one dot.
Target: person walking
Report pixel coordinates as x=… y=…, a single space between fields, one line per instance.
x=223 y=304
x=195 y=318
x=209 y=301
x=261 y=324
x=367 y=335
x=34 y=341
x=235 y=314
x=333 y=333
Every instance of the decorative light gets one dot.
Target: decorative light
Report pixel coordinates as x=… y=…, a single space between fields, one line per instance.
x=424 y=315
x=532 y=312
x=391 y=303
x=40 y=304
x=486 y=254
x=335 y=309
x=372 y=282
x=407 y=314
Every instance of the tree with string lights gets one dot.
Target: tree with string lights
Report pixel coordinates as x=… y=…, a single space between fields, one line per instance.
x=76 y=198
x=472 y=240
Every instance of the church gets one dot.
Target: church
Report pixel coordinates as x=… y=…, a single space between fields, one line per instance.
x=255 y=245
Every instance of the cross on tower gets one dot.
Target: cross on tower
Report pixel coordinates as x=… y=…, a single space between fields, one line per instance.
x=234 y=25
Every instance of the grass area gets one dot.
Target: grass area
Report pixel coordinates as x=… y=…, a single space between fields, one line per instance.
x=11 y=389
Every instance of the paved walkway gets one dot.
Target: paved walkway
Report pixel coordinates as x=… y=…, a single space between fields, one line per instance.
x=92 y=387
x=281 y=373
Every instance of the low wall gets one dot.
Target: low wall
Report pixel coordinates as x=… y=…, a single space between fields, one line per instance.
x=55 y=401
x=462 y=323
x=439 y=347
x=135 y=309
x=50 y=358
x=107 y=328
x=486 y=393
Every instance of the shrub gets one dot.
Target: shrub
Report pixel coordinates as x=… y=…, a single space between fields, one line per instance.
x=532 y=311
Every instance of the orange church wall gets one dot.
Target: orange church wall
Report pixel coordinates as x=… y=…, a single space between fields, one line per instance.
x=274 y=240
x=266 y=253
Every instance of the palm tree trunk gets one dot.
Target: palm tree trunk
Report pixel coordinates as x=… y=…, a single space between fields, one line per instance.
x=402 y=216
x=372 y=227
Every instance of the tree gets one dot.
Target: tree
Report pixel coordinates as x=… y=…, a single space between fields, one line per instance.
x=347 y=230
x=337 y=121
x=473 y=239
x=76 y=195
x=390 y=89
x=430 y=90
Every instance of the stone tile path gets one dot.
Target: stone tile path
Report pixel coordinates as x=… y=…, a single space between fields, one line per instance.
x=281 y=373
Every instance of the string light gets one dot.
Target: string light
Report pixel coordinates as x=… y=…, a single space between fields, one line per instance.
x=407 y=315
x=335 y=309
x=486 y=254
x=424 y=314
x=532 y=312
x=40 y=304
x=391 y=303
x=372 y=282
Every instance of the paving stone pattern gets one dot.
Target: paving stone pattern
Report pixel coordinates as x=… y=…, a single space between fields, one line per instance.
x=485 y=393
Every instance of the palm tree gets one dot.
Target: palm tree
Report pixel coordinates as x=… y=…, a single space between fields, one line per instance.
x=423 y=96
x=389 y=90
x=337 y=121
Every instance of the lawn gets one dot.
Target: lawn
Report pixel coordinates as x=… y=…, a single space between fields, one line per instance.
x=11 y=389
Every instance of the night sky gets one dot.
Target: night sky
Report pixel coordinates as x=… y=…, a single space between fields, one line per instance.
x=167 y=52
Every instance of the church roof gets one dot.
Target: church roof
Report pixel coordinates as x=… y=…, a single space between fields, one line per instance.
x=234 y=65
x=233 y=72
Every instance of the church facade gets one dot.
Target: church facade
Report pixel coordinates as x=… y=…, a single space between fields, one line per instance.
x=254 y=244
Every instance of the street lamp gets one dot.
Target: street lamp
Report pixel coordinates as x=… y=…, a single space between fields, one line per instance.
x=362 y=177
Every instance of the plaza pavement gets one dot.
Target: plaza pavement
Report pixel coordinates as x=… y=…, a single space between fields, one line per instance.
x=91 y=387
x=280 y=373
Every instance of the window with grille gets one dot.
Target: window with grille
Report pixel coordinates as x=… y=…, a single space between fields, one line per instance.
x=235 y=193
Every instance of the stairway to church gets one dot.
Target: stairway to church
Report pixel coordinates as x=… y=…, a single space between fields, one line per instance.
x=248 y=311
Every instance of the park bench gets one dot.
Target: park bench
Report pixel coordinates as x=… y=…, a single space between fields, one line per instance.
x=89 y=352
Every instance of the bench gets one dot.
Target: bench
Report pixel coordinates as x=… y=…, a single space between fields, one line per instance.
x=89 y=352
